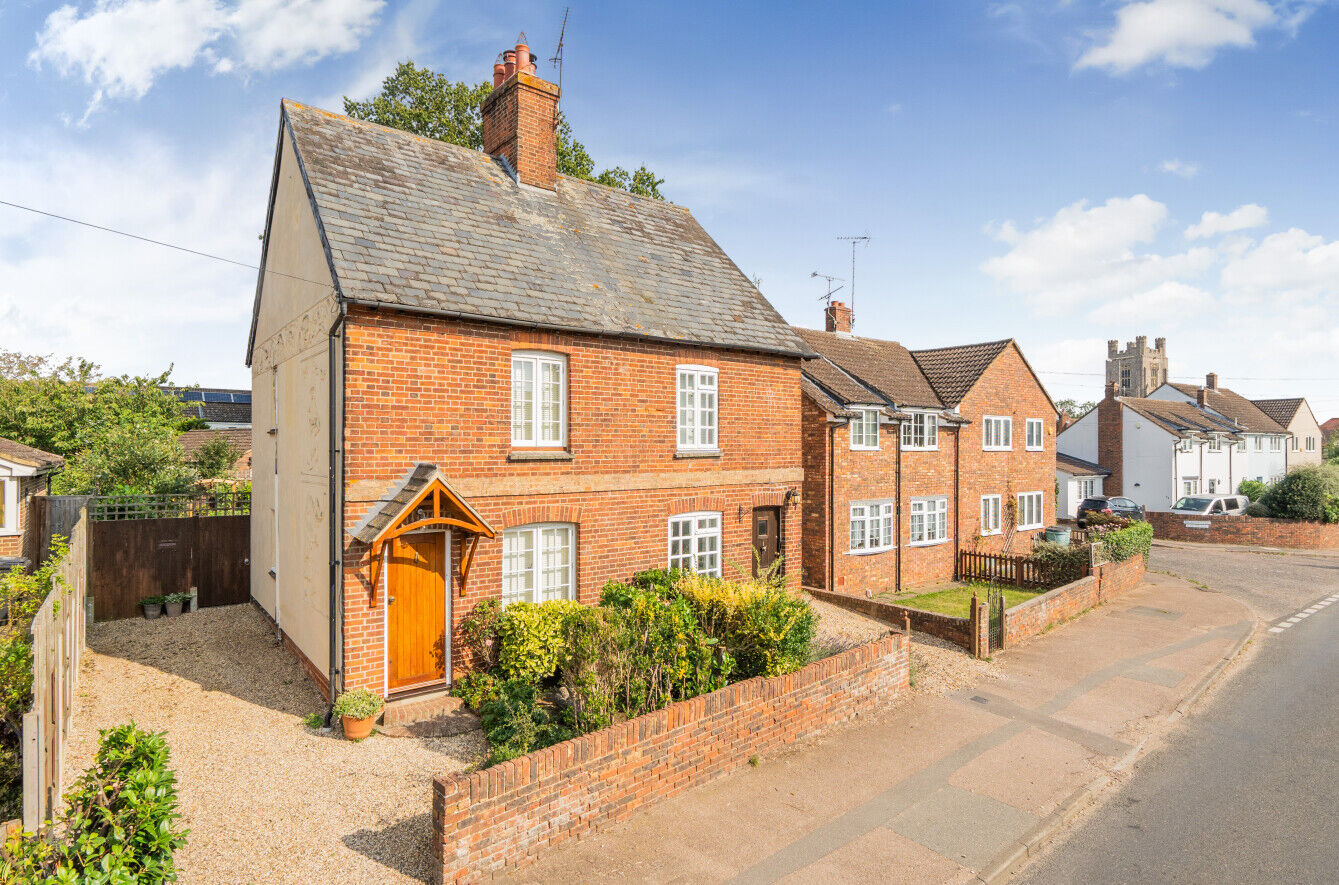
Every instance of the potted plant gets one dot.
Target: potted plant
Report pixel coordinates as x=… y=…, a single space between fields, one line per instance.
x=152 y=606
x=358 y=710
x=172 y=603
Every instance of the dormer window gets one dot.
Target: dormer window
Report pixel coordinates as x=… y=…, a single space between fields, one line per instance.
x=920 y=431
x=865 y=430
x=1215 y=443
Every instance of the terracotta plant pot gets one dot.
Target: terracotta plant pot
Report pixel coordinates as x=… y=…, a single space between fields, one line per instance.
x=152 y=610
x=357 y=729
x=172 y=609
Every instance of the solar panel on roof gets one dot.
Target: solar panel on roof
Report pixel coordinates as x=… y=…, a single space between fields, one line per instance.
x=215 y=397
x=192 y=395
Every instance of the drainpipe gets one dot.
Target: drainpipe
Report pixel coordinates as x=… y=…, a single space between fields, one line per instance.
x=832 y=467
x=334 y=418
x=897 y=510
x=957 y=498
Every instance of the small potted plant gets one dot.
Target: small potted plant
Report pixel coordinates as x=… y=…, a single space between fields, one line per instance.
x=152 y=606
x=358 y=710
x=172 y=603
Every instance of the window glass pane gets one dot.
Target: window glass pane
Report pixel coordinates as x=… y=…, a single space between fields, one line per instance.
x=518 y=564
x=552 y=400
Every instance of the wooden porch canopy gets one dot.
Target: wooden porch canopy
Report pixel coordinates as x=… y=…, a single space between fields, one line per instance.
x=422 y=499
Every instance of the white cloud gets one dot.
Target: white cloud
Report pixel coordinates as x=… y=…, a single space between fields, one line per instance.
x=129 y=305
x=1187 y=33
x=1089 y=254
x=1182 y=168
x=1168 y=304
x=1211 y=224
x=120 y=47
x=1292 y=262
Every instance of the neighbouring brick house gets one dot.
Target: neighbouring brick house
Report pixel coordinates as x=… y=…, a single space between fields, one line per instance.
x=194 y=440
x=475 y=378
x=911 y=456
x=24 y=473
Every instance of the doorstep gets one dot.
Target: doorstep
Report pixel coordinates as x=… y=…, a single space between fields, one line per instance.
x=437 y=714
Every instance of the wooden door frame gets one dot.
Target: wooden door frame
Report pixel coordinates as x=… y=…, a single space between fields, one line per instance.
x=386 y=622
x=779 y=514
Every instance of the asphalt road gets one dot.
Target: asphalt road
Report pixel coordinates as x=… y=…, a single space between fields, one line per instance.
x=1248 y=789
x=1274 y=584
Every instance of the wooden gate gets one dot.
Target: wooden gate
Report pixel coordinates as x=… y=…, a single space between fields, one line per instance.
x=167 y=544
x=996 y=598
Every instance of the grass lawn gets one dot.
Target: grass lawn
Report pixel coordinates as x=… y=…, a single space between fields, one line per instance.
x=957 y=601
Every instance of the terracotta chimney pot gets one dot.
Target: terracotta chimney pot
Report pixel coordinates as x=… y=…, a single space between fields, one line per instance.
x=523 y=59
x=509 y=62
x=499 y=74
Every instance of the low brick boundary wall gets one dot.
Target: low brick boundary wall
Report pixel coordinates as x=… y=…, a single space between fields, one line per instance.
x=1040 y=612
x=504 y=815
x=1292 y=533
x=955 y=630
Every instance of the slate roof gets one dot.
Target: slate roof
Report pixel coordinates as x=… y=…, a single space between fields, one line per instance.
x=1281 y=411
x=391 y=505
x=28 y=456
x=1079 y=467
x=953 y=370
x=193 y=440
x=1178 y=417
x=885 y=367
x=418 y=223
x=1235 y=406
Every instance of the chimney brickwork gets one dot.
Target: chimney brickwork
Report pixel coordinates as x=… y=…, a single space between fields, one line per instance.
x=837 y=317
x=1110 y=442
x=520 y=119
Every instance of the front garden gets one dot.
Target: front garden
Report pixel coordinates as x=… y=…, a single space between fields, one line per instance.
x=957 y=601
x=1307 y=493
x=550 y=671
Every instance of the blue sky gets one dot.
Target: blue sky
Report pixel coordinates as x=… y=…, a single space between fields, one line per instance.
x=1058 y=172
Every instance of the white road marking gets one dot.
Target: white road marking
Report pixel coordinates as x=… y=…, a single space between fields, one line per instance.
x=1275 y=629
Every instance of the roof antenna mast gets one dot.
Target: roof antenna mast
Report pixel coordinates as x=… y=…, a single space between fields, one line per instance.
x=827 y=299
x=557 y=60
x=854 y=241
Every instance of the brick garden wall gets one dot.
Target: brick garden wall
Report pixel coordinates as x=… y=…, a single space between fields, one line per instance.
x=1037 y=614
x=1295 y=534
x=955 y=630
x=504 y=815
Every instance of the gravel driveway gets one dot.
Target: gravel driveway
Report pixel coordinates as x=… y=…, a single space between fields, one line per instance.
x=1274 y=583
x=266 y=798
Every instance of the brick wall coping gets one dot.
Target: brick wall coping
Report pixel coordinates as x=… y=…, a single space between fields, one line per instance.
x=503 y=815
x=1042 y=599
x=954 y=629
x=1297 y=534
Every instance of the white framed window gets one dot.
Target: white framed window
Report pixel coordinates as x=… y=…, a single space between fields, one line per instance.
x=1087 y=488
x=997 y=433
x=1190 y=486
x=1215 y=443
x=1276 y=443
x=1310 y=443
x=1030 y=514
x=929 y=521
x=865 y=430
x=990 y=514
x=695 y=543
x=537 y=562
x=1241 y=444
x=920 y=431
x=1036 y=435
x=1259 y=443
x=9 y=506
x=538 y=399
x=697 y=407
x=872 y=526
x=1185 y=445
x=1295 y=443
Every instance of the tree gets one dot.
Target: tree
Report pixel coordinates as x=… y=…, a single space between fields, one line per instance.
x=1074 y=408
x=426 y=103
x=216 y=458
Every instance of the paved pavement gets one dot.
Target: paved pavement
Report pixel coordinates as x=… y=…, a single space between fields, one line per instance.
x=1274 y=583
x=1247 y=791
x=939 y=789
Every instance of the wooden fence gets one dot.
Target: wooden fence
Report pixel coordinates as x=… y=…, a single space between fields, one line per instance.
x=58 y=645
x=1020 y=571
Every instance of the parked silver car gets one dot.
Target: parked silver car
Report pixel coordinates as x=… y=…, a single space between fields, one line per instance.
x=1210 y=505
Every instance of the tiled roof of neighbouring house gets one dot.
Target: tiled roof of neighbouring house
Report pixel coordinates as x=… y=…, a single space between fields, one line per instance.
x=414 y=222
x=885 y=367
x=18 y=453
x=216 y=405
x=1179 y=417
x=1235 y=406
x=1282 y=411
x=192 y=440
x=1079 y=467
x=1330 y=425
x=953 y=370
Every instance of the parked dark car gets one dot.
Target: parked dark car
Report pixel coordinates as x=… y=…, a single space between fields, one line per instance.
x=1110 y=507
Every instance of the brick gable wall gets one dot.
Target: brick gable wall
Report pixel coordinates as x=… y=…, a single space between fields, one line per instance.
x=428 y=389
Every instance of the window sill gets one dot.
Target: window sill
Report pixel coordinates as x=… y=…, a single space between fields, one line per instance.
x=698 y=453
x=539 y=455
x=1033 y=449
x=864 y=448
x=873 y=552
x=934 y=543
x=1033 y=528
x=920 y=448
x=10 y=533
x=992 y=533
x=997 y=449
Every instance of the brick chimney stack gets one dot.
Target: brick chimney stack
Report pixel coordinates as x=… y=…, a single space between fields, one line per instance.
x=1211 y=381
x=837 y=317
x=520 y=118
x=1110 y=440
x=1202 y=397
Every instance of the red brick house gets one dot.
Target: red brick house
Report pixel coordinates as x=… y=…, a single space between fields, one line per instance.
x=475 y=378
x=911 y=456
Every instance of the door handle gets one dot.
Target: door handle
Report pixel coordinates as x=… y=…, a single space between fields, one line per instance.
x=390 y=599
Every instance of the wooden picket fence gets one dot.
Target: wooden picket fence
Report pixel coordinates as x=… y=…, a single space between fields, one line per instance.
x=1020 y=571
x=58 y=645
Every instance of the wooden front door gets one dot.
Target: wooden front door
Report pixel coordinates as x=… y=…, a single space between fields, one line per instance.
x=417 y=648
x=766 y=537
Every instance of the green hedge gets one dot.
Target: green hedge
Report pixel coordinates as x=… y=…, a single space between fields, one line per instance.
x=119 y=826
x=1135 y=539
x=529 y=638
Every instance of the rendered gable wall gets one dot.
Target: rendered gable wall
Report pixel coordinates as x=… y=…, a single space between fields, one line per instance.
x=290 y=520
